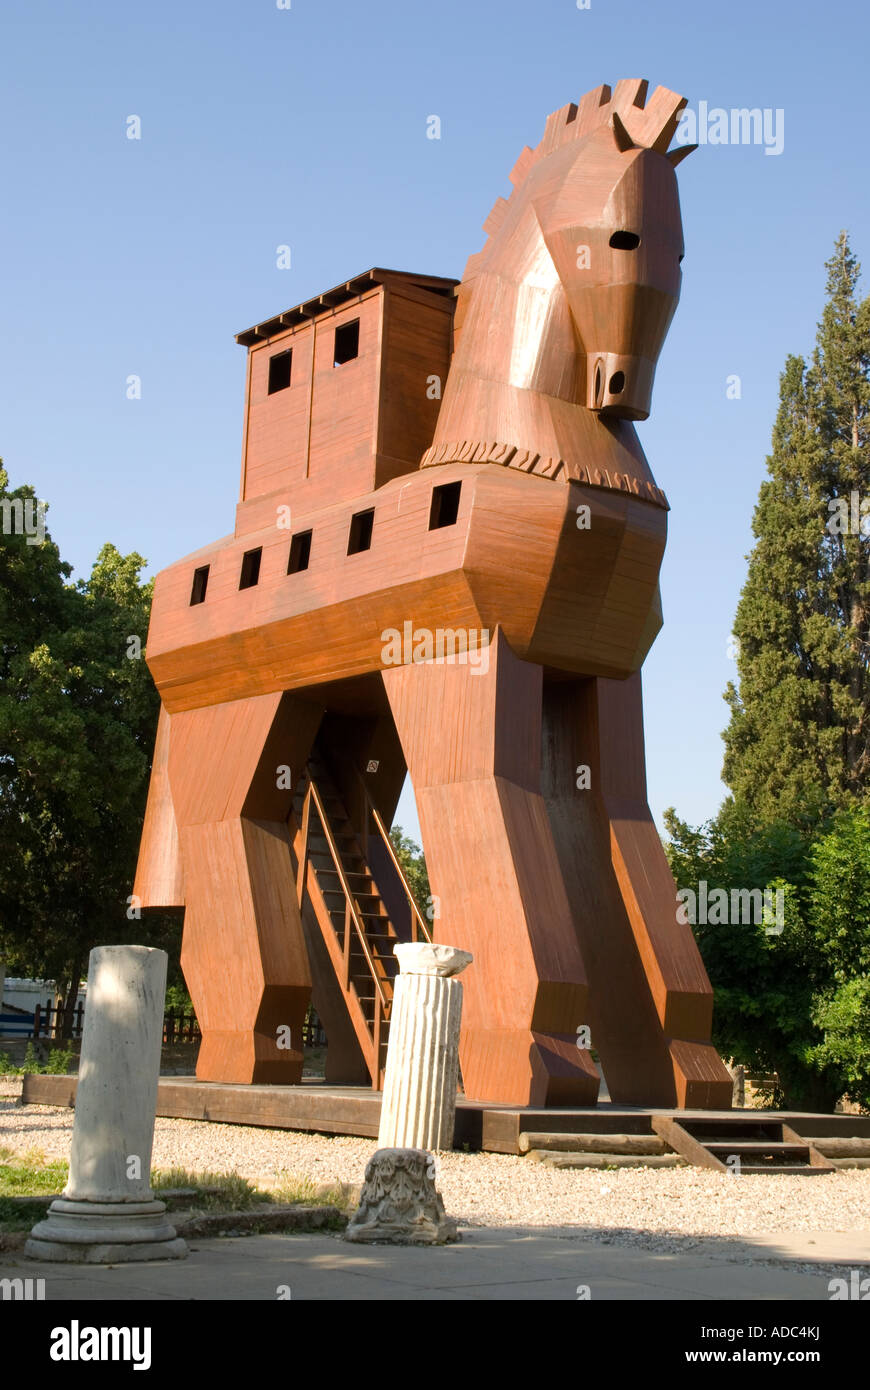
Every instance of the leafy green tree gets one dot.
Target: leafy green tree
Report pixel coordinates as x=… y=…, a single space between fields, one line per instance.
x=410 y=856
x=797 y=746
x=838 y=914
x=78 y=713
x=766 y=974
x=798 y=741
x=795 y=1001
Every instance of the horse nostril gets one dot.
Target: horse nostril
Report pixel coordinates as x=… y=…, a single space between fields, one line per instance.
x=617 y=382
x=598 y=384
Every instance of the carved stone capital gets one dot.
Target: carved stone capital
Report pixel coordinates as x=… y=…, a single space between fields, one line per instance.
x=427 y=958
x=400 y=1204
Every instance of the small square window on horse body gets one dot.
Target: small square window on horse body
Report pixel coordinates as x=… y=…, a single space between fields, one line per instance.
x=360 y=537
x=300 y=552
x=250 y=568
x=200 y=584
x=445 y=505
x=280 y=367
x=346 y=343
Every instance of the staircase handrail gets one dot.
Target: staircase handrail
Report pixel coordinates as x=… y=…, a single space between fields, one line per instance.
x=390 y=848
x=314 y=794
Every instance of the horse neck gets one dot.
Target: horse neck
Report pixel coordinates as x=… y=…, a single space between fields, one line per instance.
x=517 y=379
x=515 y=335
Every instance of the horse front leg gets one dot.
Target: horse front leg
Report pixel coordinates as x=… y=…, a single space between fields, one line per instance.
x=651 y=1003
x=471 y=736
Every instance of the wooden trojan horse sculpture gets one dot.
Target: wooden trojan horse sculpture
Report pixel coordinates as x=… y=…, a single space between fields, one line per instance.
x=465 y=589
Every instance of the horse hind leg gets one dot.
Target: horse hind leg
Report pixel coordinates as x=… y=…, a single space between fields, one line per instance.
x=243 y=949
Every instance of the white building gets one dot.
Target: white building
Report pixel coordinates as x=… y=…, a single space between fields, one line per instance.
x=18 y=1001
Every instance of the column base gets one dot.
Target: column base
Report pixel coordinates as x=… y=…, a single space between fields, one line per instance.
x=104 y=1233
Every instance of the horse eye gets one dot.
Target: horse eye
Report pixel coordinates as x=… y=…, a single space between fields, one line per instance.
x=625 y=241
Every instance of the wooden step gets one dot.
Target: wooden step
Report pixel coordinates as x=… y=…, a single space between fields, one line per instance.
x=710 y=1143
x=331 y=892
x=803 y=1170
x=758 y=1147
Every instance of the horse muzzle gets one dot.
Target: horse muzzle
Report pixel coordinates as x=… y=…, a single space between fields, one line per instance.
x=619 y=385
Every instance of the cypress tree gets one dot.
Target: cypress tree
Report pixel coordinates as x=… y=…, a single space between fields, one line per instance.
x=798 y=740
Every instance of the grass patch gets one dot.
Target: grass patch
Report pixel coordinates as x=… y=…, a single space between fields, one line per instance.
x=27 y=1175
x=20 y=1216
x=229 y=1192
x=305 y=1192
x=212 y=1191
x=57 y=1063
x=31 y=1174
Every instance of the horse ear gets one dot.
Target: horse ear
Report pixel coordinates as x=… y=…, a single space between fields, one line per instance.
x=620 y=134
x=675 y=156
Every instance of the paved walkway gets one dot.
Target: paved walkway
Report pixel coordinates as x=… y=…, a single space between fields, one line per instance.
x=485 y=1264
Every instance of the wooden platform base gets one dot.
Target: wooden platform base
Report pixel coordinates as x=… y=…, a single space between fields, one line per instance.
x=355 y=1110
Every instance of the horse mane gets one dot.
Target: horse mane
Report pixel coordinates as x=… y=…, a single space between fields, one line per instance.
x=634 y=123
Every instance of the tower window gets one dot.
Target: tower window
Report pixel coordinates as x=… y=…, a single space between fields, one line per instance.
x=445 y=505
x=279 y=371
x=346 y=343
x=360 y=537
x=200 y=583
x=300 y=552
x=250 y=568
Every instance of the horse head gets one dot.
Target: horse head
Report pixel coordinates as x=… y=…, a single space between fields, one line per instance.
x=592 y=235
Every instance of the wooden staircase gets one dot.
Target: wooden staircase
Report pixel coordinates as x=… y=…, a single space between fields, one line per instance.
x=351 y=915
x=740 y=1144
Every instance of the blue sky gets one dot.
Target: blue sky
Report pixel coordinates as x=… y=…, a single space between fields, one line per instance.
x=307 y=126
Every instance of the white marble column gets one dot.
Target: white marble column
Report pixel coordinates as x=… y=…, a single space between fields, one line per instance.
x=419 y=1104
x=108 y=1213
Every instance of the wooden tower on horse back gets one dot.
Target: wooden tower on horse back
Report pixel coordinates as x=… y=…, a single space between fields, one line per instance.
x=463 y=588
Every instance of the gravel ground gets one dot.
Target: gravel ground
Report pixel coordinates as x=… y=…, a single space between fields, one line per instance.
x=494 y=1189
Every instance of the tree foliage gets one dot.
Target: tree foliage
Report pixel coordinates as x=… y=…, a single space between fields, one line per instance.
x=793 y=1001
x=798 y=741
x=797 y=746
x=410 y=856
x=78 y=713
